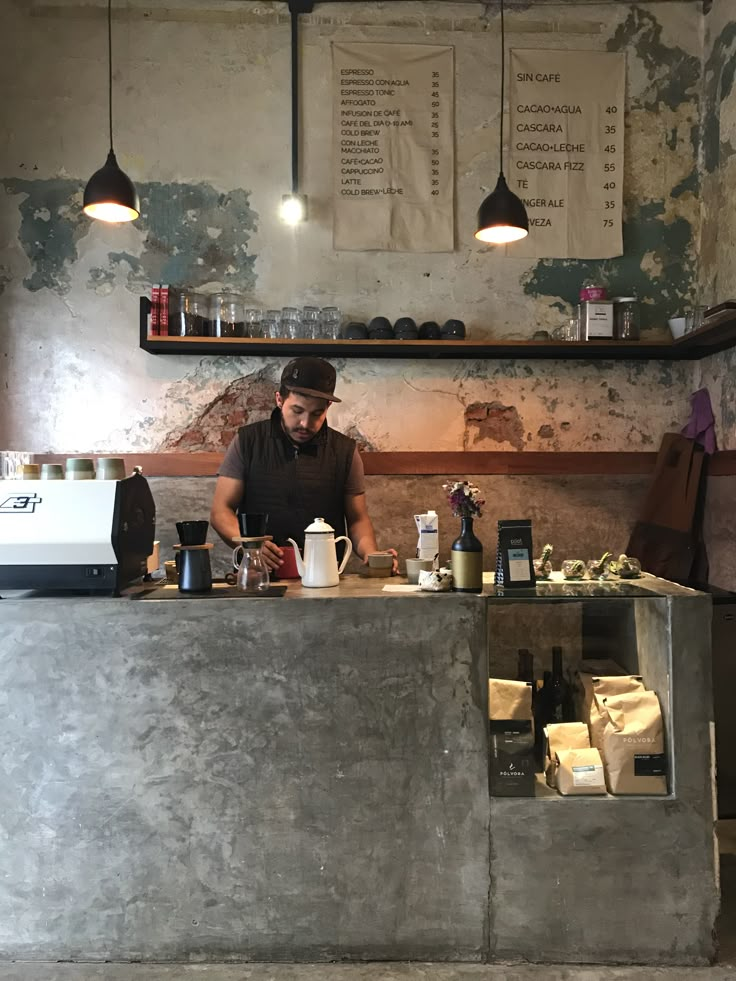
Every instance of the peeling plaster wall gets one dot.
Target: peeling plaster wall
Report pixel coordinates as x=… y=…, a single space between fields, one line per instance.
x=718 y=264
x=202 y=126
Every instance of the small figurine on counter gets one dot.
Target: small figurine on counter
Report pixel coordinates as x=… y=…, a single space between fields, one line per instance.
x=573 y=568
x=542 y=565
x=600 y=568
x=627 y=567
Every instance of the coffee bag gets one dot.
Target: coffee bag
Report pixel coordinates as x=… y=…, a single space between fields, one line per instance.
x=509 y=699
x=588 y=669
x=634 y=758
x=602 y=688
x=580 y=771
x=561 y=736
x=512 y=738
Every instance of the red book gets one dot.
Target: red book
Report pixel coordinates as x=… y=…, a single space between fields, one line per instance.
x=163 y=317
x=155 y=303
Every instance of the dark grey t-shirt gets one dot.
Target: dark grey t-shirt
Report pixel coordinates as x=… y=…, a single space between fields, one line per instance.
x=234 y=465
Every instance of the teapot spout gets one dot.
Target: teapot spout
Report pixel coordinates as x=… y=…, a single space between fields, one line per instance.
x=298 y=557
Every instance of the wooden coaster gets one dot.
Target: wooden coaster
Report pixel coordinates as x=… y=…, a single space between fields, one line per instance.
x=252 y=538
x=192 y=548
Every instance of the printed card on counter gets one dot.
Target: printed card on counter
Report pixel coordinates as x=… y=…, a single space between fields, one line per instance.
x=566 y=151
x=393 y=126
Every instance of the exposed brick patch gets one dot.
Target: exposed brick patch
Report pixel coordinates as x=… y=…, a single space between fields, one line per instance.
x=495 y=422
x=245 y=400
x=546 y=432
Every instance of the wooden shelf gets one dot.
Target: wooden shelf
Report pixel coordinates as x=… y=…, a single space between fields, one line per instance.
x=424 y=463
x=717 y=335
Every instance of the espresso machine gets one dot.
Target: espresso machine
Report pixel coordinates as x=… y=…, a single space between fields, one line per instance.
x=91 y=535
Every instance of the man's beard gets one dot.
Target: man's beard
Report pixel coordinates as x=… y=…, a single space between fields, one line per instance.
x=297 y=435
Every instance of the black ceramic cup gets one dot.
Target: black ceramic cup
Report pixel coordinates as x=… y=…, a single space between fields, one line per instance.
x=252 y=523
x=192 y=532
x=430 y=331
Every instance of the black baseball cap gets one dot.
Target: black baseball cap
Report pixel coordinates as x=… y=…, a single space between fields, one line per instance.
x=310 y=376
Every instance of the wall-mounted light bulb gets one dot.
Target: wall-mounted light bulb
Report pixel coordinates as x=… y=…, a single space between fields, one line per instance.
x=293 y=208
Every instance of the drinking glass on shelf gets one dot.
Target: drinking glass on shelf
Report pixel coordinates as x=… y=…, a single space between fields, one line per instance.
x=228 y=315
x=253 y=322
x=331 y=319
x=271 y=324
x=290 y=322
x=310 y=322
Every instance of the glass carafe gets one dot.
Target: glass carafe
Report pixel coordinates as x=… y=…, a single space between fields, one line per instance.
x=252 y=575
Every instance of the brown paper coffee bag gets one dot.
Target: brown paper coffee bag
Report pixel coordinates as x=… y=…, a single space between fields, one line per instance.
x=588 y=669
x=509 y=699
x=580 y=771
x=634 y=758
x=561 y=736
x=602 y=688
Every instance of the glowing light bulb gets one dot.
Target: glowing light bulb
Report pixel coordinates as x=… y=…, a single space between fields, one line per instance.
x=293 y=208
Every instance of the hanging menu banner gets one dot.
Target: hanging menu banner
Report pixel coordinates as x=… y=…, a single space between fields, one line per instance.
x=566 y=151
x=393 y=147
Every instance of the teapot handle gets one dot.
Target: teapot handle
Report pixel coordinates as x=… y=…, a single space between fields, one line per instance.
x=348 y=552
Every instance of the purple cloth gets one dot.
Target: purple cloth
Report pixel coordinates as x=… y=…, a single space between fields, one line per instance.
x=701 y=426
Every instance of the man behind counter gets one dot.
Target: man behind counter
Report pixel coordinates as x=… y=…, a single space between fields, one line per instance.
x=295 y=468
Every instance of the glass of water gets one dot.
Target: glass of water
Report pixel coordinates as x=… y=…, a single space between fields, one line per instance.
x=310 y=322
x=253 y=322
x=330 y=319
x=271 y=324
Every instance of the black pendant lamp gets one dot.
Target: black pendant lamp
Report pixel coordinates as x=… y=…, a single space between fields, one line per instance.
x=110 y=194
x=294 y=205
x=502 y=217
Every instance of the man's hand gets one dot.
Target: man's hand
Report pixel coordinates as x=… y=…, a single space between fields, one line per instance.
x=273 y=556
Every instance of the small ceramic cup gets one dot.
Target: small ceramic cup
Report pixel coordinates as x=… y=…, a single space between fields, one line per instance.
x=414 y=567
x=110 y=468
x=380 y=560
x=80 y=468
x=29 y=471
x=52 y=471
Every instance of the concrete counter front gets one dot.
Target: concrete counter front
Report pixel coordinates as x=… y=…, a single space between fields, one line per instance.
x=306 y=778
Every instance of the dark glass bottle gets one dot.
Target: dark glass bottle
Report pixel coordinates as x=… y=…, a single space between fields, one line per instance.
x=525 y=669
x=466 y=560
x=560 y=701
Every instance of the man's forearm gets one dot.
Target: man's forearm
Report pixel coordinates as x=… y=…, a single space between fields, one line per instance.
x=363 y=537
x=225 y=523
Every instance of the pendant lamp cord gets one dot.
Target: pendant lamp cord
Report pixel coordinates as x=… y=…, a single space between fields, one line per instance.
x=294 y=98
x=109 y=67
x=503 y=77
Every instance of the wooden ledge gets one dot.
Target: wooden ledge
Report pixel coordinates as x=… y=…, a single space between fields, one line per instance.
x=532 y=464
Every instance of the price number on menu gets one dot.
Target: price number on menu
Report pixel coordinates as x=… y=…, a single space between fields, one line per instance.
x=610 y=132
x=435 y=134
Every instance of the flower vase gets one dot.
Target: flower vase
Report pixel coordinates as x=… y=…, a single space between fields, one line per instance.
x=466 y=560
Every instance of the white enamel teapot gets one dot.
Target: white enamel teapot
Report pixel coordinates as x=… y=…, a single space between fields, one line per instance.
x=319 y=568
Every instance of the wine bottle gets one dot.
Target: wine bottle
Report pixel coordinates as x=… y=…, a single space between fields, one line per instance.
x=560 y=701
x=525 y=669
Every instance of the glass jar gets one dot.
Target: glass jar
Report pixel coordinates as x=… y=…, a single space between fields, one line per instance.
x=190 y=316
x=228 y=315
x=626 y=318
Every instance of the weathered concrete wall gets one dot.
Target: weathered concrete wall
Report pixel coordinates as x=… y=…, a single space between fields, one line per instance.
x=718 y=265
x=202 y=126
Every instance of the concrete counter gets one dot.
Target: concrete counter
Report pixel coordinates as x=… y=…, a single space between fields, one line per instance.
x=305 y=778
